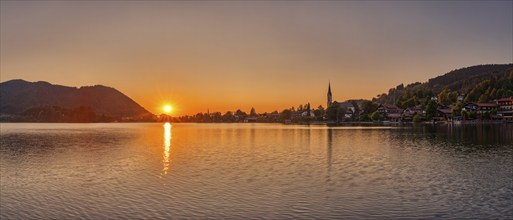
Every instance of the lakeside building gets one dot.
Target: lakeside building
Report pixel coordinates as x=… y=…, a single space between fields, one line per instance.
x=470 y=107
x=351 y=107
x=505 y=108
x=390 y=112
x=444 y=112
x=502 y=109
x=330 y=97
x=410 y=112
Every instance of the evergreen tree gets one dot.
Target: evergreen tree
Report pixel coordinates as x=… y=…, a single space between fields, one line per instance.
x=431 y=109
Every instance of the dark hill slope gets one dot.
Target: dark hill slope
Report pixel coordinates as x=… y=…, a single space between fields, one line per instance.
x=481 y=83
x=18 y=96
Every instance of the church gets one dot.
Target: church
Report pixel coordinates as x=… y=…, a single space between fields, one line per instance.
x=350 y=106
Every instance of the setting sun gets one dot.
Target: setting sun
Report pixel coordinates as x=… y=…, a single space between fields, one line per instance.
x=168 y=108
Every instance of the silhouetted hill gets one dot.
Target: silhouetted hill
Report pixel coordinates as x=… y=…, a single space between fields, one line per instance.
x=482 y=83
x=19 y=97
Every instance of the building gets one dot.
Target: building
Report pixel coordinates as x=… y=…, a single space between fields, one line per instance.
x=486 y=107
x=351 y=109
x=330 y=97
x=308 y=113
x=505 y=108
x=390 y=112
x=444 y=113
x=470 y=107
x=410 y=112
x=350 y=106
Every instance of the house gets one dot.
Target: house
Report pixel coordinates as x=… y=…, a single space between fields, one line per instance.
x=486 y=107
x=470 y=107
x=390 y=112
x=444 y=112
x=410 y=112
x=505 y=108
x=250 y=119
x=308 y=113
x=351 y=109
x=349 y=106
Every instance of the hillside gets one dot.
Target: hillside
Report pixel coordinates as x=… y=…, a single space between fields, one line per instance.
x=19 y=97
x=482 y=83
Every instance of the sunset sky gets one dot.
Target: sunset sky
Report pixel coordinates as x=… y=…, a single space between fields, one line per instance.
x=228 y=55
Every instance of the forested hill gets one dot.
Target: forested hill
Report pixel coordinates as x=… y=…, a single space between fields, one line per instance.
x=34 y=99
x=482 y=83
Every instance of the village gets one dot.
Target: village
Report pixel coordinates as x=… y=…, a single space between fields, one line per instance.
x=363 y=112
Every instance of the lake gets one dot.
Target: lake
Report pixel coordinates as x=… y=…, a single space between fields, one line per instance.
x=269 y=171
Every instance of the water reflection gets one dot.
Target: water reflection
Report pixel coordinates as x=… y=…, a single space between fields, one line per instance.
x=167 y=147
x=49 y=172
x=329 y=144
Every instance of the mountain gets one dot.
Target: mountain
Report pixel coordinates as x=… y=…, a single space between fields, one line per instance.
x=19 y=97
x=481 y=83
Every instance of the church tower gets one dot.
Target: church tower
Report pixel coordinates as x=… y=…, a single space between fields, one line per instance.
x=330 y=100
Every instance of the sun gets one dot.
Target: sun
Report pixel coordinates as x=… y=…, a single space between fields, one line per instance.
x=168 y=108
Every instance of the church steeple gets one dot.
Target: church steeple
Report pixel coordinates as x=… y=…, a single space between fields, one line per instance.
x=329 y=95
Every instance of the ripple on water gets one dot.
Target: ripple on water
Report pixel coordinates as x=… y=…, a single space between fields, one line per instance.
x=257 y=171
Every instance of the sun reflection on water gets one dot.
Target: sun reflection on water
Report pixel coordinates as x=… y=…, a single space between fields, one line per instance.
x=167 y=147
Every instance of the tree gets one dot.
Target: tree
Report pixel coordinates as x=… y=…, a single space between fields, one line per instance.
x=464 y=114
x=217 y=117
x=472 y=115
x=486 y=115
x=417 y=118
x=443 y=98
x=453 y=97
x=286 y=114
x=483 y=98
x=341 y=114
x=456 y=110
x=253 y=112
x=319 y=112
x=240 y=115
x=408 y=103
x=368 y=107
x=228 y=117
x=332 y=112
x=431 y=109
x=376 y=116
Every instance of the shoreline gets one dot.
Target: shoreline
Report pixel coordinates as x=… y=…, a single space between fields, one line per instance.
x=329 y=124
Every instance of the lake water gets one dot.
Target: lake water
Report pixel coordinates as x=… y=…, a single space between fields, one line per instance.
x=270 y=171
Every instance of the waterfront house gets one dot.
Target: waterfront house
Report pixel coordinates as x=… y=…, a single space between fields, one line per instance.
x=390 y=112
x=505 y=108
x=486 y=107
x=444 y=112
x=349 y=106
x=470 y=107
x=308 y=114
x=250 y=119
x=410 y=112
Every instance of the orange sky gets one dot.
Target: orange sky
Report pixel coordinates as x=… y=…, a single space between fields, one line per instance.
x=228 y=55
